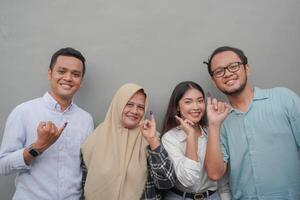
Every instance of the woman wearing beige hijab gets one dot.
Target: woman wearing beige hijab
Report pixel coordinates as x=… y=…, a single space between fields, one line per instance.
x=119 y=155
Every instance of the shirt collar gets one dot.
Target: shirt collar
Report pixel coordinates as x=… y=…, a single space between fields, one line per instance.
x=259 y=94
x=53 y=104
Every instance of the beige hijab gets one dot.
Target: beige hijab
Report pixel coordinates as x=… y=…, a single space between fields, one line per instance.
x=115 y=157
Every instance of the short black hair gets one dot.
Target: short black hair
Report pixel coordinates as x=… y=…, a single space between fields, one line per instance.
x=237 y=51
x=68 y=51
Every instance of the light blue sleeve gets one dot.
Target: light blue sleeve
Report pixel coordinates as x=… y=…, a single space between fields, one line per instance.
x=292 y=103
x=223 y=143
x=12 y=147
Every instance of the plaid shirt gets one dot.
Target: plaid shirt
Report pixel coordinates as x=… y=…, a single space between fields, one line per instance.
x=161 y=174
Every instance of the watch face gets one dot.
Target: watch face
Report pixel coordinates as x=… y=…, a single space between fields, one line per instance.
x=33 y=152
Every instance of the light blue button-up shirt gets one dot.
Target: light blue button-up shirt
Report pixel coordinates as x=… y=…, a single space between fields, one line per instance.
x=55 y=174
x=261 y=146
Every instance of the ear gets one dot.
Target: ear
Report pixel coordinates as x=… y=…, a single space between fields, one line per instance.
x=248 y=70
x=213 y=81
x=49 y=75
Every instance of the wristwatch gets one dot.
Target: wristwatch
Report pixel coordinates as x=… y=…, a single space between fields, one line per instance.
x=33 y=151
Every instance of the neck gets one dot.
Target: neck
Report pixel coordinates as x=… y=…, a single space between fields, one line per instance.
x=242 y=100
x=63 y=103
x=197 y=130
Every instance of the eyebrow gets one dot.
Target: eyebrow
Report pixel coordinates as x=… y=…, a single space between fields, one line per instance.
x=188 y=98
x=64 y=68
x=136 y=104
x=228 y=64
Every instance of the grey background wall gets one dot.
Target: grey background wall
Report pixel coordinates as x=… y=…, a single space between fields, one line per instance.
x=155 y=43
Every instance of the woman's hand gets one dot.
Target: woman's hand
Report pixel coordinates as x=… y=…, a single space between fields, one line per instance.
x=148 y=129
x=187 y=126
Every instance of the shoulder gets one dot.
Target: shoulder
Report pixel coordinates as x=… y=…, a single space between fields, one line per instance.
x=83 y=114
x=27 y=105
x=279 y=91
x=277 y=95
x=175 y=134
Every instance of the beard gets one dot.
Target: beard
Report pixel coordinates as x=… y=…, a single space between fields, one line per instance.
x=237 y=90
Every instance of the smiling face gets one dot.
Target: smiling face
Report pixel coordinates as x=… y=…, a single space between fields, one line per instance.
x=65 y=78
x=232 y=82
x=192 y=105
x=134 y=110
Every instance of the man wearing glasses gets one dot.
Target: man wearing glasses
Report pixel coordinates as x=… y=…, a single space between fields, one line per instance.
x=259 y=140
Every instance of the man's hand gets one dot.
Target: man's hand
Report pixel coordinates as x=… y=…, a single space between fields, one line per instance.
x=47 y=135
x=216 y=111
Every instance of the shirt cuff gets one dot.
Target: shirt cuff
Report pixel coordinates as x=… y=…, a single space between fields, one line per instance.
x=18 y=159
x=156 y=151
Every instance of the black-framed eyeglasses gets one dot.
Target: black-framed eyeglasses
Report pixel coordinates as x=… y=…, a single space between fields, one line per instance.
x=232 y=67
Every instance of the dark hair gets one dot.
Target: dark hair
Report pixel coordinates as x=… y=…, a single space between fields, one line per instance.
x=178 y=92
x=237 y=51
x=68 y=51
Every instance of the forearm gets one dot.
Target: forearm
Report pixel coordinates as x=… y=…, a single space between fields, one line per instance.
x=161 y=168
x=154 y=142
x=214 y=163
x=12 y=162
x=191 y=147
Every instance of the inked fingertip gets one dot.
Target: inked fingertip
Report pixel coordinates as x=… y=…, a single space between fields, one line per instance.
x=208 y=94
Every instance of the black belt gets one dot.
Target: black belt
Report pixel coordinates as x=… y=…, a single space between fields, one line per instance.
x=193 y=195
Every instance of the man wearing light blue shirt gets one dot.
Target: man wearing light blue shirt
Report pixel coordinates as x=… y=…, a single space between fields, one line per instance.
x=42 y=137
x=260 y=137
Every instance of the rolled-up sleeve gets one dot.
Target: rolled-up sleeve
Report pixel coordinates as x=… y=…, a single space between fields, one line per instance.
x=162 y=169
x=188 y=172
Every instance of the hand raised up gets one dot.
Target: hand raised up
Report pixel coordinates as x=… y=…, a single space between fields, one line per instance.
x=186 y=125
x=216 y=111
x=148 y=129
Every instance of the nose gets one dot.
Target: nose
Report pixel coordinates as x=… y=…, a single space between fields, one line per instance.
x=196 y=105
x=68 y=76
x=134 y=110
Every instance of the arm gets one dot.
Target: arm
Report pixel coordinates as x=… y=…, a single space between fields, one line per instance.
x=224 y=189
x=14 y=156
x=84 y=175
x=293 y=105
x=191 y=150
x=214 y=163
x=159 y=164
x=13 y=142
x=188 y=172
x=47 y=134
x=161 y=168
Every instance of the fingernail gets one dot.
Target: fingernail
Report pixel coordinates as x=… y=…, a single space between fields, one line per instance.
x=208 y=94
x=151 y=112
x=66 y=123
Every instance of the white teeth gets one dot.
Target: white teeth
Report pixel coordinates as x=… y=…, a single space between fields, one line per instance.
x=131 y=117
x=195 y=114
x=230 y=82
x=65 y=86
